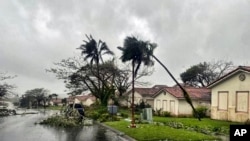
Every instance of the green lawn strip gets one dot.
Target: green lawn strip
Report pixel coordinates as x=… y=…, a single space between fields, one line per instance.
x=205 y=123
x=152 y=132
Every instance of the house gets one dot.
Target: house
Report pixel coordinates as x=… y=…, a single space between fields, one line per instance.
x=171 y=99
x=56 y=102
x=230 y=95
x=143 y=94
x=86 y=100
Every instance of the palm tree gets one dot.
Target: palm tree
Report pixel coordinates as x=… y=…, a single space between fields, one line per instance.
x=150 y=49
x=134 y=51
x=94 y=50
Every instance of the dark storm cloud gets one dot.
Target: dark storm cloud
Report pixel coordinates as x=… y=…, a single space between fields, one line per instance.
x=34 y=34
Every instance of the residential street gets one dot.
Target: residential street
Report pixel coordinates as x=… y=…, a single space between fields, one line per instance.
x=23 y=128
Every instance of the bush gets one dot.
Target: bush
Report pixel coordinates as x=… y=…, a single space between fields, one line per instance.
x=247 y=122
x=124 y=115
x=95 y=112
x=166 y=114
x=93 y=115
x=157 y=112
x=104 y=117
x=140 y=106
x=201 y=112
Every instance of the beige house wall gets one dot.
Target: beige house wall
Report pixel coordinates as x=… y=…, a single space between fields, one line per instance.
x=88 y=102
x=230 y=88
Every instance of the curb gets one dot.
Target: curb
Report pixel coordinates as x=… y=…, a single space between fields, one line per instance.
x=120 y=134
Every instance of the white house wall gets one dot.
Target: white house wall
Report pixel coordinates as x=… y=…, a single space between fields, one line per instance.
x=137 y=98
x=186 y=109
x=168 y=98
x=228 y=90
x=181 y=107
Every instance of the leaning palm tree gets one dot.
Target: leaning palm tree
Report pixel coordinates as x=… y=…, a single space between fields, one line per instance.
x=150 y=49
x=134 y=51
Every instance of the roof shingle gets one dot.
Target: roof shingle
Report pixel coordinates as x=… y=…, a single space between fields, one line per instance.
x=194 y=93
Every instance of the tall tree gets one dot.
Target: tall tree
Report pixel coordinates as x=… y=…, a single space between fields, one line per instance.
x=93 y=51
x=36 y=96
x=133 y=50
x=148 y=51
x=6 y=89
x=85 y=79
x=204 y=73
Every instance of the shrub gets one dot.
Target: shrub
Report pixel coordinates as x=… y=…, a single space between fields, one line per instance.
x=93 y=115
x=166 y=114
x=104 y=117
x=95 y=112
x=124 y=115
x=157 y=112
x=247 y=122
x=201 y=112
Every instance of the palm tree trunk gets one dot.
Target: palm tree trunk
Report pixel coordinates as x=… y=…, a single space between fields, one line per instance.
x=133 y=95
x=186 y=96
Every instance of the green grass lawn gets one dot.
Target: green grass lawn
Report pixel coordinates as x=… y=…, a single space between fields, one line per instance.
x=205 y=123
x=162 y=129
x=151 y=132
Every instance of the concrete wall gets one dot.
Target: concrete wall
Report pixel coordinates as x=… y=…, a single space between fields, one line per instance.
x=230 y=99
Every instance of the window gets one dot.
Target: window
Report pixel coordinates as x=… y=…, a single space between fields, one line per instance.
x=158 y=103
x=164 y=105
x=172 y=106
x=222 y=100
x=242 y=100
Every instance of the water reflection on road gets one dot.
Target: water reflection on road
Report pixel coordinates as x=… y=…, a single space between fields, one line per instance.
x=23 y=128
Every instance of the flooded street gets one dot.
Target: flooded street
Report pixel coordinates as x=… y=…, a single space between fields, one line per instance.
x=23 y=128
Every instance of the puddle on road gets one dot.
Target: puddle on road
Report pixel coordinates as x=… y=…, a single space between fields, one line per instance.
x=22 y=128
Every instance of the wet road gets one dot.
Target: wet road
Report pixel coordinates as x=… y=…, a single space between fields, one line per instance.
x=23 y=128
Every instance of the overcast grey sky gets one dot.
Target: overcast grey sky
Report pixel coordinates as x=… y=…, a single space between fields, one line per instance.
x=34 y=34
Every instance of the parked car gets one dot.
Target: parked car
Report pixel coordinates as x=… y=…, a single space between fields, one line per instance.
x=78 y=107
x=4 y=111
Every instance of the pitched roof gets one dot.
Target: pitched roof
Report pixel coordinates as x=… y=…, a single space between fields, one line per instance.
x=231 y=73
x=194 y=93
x=148 y=91
x=82 y=97
x=159 y=86
x=56 y=100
